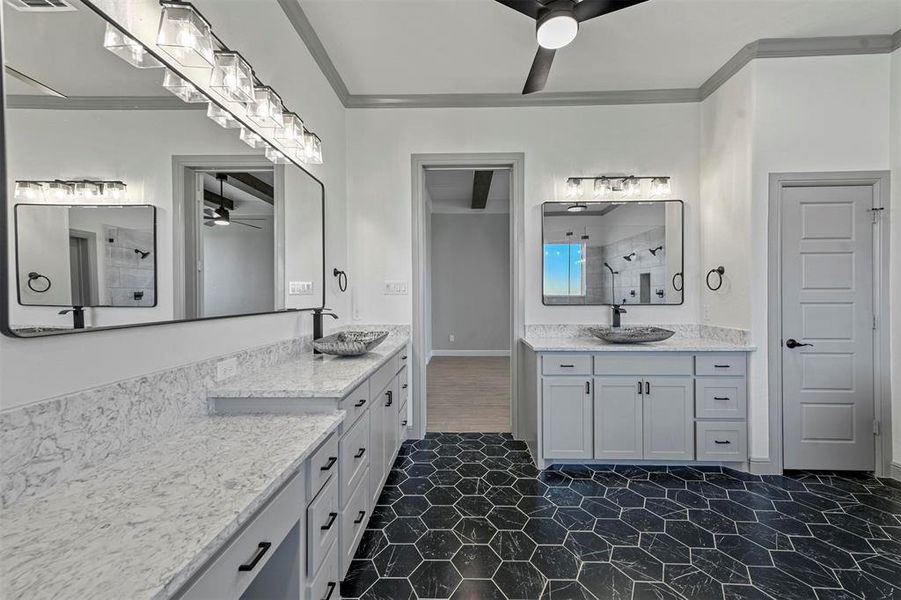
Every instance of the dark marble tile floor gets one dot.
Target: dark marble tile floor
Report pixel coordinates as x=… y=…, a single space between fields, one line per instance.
x=469 y=517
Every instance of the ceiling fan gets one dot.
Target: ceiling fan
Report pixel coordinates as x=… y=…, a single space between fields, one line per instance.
x=221 y=215
x=557 y=23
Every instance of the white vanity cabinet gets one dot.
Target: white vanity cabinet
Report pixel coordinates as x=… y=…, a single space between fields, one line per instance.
x=641 y=406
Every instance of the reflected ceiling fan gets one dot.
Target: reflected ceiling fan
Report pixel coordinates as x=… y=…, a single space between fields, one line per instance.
x=221 y=215
x=557 y=23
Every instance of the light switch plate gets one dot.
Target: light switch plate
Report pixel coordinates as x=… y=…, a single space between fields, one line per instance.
x=300 y=288
x=395 y=288
x=226 y=368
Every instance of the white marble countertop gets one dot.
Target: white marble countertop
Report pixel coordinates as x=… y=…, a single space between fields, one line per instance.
x=593 y=344
x=140 y=527
x=322 y=377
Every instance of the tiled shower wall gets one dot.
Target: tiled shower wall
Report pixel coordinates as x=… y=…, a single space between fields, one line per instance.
x=128 y=278
x=627 y=284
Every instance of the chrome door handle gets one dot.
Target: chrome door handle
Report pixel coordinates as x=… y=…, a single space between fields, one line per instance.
x=793 y=343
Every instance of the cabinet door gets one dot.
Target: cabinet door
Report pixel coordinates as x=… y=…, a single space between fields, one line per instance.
x=566 y=417
x=668 y=418
x=389 y=401
x=617 y=418
x=376 y=446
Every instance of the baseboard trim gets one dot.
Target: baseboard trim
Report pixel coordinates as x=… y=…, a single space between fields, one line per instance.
x=895 y=471
x=469 y=353
x=762 y=466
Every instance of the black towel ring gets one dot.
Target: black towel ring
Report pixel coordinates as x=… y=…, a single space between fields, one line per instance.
x=35 y=276
x=719 y=271
x=681 y=280
x=342 y=279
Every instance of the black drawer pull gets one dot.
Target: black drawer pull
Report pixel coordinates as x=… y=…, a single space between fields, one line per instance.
x=640 y=388
x=390 y=398
x=360 y=517
x=723 y=442
x=331 y=463
x=404 y=357
x=331 y=521
x=720 y=398
x=721 y=366
x=404 y=386
x=331 y=588
x=404 y=422
x=567 y=366
x=360 y=453
x=360 y=403
x=262 y=549
x=647 y=387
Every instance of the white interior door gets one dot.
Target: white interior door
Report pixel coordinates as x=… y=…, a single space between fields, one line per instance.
x=827 y=327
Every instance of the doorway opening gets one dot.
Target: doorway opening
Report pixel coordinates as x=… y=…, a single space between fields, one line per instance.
x=467 y=292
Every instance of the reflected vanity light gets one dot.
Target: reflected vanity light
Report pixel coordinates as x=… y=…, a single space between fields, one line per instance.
x=602 y=187
x=276 y=156
x=232 y=77
x=222 y=117
x=29 y=190
x=291 y=133
x=185 y=35
x=266 y=109
x=66 y=191
x=252 y=139
x=114 y=190
x=574 y=188
x=60 y=191
x=181 y=88
x=128 y=49
x=631 y=187
x=618 y=187
x=88 y=190
x=660 y=187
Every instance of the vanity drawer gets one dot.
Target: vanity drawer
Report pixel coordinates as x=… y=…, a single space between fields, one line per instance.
x=222 y=578
x=721 y=398
x=354 y=452
x=322 y=525
x=353 y=522
x=642 y=363
x=721 y=440
x=380 y=379
x=355 y=404
x=566 y=364
x=403 y=387
x=324 y=585
x=732 y=363
x=321 y=465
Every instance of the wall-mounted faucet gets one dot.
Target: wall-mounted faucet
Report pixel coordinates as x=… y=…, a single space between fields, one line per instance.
x=617 y=311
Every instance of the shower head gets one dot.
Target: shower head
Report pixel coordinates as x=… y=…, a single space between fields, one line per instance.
x=629 y=257
x=142 y=253
x=654 y=251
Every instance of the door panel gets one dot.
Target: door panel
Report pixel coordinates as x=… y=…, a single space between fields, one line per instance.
x=668 y=418
x=566 y=417
x=618 y=418
x=827 y=301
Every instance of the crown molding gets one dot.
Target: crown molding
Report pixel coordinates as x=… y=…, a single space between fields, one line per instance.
x=896 y=40
x=37 y=102
x=506 y=100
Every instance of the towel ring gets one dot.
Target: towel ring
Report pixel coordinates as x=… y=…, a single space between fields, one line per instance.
x=718 y=271
x=35 y=276
x=342 y=279
x=681 y=281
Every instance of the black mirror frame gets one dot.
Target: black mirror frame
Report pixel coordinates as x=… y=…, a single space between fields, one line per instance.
x=5 y=325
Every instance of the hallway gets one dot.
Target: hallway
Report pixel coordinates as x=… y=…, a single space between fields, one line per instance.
x=468 y=394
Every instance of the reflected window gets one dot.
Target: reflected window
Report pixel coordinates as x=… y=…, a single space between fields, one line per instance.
x=564 y=274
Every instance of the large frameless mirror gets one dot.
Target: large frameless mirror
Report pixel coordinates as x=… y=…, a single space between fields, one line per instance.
x=129 y=203
x=603 y=253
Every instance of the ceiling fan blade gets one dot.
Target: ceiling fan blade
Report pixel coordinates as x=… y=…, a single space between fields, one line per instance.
x=541 y=67
x=530 y=8
x=34 y=83
x=589 y=9
x=245 y=224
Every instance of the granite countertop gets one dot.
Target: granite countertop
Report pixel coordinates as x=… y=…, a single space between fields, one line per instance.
x=593 y=344
x=140 y=527
x=323 y=377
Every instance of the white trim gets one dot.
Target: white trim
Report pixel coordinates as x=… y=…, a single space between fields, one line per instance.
x=516 y=161
x=895 y=471
x=469 y=353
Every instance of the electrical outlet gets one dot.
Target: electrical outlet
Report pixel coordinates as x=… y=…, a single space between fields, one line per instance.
x=706 y=315
x=394 y=288
x=226 y=368
x=300 y=288
x=451 y=338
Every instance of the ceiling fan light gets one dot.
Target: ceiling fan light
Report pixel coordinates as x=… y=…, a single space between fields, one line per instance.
x=577 y=208
x=221 y=216
x=556 y=29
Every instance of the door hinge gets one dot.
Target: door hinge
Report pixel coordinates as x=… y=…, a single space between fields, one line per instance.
x=875 y=426
x=874 y=322
x=876 y=211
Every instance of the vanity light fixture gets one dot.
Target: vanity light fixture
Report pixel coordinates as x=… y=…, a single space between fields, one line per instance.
x=631 y=187
x=183 y=89
x=29 y=190
x=266 y=110
x=60 y=191
x=574 y=188
x=232 y=77
x=114 y=190
x=128 y=49
x=291 y=133
x=619 y=187
x=64 y=191
x=222 y=117
x=185 y=35
x=276 y=156
x=602 y=187
x=252 y=139
x=88 y=190
x=312 y=148
x=660 y=187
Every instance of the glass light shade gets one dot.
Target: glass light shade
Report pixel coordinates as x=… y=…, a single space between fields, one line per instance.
x=557 y=31
x=602 y=188
x=312 y=148
x=87 y=190
x=276 y=156
x=185 y=35
x=181 y=88
x=574 y=188
x=222 y=117
x=114 y=190
x=29 y=190
x=252 y=139
x=266 y=109
x=128 y=49
x=291 y=133
x=576 y=208
x=59 y=191
x=232 y=77
x=660 y=187
x=631 y=187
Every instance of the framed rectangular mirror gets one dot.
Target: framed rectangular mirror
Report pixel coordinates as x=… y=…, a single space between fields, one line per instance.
x=97 y=149
x=603 y=253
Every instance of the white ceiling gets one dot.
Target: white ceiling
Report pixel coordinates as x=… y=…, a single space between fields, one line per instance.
x=451 y=191
x=245 y=204
x=481 y=46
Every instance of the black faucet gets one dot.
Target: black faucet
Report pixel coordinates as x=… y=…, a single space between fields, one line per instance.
x=77 y=316
x=617 y=311
x=318 y=313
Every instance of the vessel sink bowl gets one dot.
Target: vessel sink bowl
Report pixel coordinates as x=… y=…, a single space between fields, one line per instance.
x=631 y=335
x=350 y=343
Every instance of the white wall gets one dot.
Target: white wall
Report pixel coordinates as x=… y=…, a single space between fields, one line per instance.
x=238 y=268
x=470 y=262
x=894 y=214
x=557 y=142
x=43 y=237
x=260 y=31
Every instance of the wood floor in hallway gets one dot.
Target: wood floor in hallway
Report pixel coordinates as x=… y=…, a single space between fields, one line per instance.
x=469 y=394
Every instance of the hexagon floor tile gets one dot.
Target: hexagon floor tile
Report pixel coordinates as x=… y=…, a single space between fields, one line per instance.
x=469 y=517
